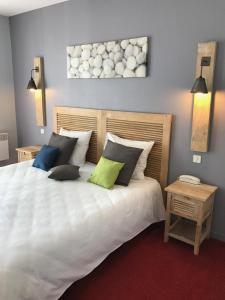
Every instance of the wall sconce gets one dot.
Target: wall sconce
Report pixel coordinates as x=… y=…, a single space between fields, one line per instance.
x=202 y=95
x=36 y=84
x=31 y=84
x=200 y=85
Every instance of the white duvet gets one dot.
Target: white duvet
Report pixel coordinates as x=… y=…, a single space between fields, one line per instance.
x=54 y=233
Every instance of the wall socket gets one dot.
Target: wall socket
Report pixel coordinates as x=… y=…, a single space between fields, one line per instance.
x=42 y=131
x=197 y=159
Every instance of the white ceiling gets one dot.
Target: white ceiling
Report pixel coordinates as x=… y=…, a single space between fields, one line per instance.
x=14 y=7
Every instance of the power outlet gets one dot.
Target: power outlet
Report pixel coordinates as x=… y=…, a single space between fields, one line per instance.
x=197 y=159
x=42 y=131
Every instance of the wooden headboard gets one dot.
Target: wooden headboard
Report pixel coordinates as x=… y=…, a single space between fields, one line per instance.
x=130 y=125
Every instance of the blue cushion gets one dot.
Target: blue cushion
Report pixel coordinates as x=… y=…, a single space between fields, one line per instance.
x=46 y=158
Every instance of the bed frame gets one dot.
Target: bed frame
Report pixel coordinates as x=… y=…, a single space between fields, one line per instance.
x=129 y=125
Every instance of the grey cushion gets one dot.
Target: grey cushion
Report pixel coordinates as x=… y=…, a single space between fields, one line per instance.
x=65 y=144
x=123 y=154
x=65 y=172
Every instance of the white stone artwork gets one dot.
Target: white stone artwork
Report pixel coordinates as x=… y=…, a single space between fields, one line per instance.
x=114 y=59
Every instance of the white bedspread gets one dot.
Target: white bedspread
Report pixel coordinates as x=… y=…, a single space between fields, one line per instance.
x=54 y=233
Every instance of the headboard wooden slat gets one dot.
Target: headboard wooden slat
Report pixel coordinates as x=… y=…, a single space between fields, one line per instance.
x=129 y=125
x=79 y=119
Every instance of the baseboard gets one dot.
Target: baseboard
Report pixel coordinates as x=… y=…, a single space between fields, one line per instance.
x=218 y=236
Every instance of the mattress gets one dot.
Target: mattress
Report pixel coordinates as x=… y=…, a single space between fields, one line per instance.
x=54 y=233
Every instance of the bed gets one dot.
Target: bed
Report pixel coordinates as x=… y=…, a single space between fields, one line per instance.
x=54 y=233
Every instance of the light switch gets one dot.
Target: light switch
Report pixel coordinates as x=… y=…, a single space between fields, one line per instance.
x=197 y=159
x=42 y=131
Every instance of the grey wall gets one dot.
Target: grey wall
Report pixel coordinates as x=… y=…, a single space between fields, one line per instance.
x=7 y=100
x=175 y=28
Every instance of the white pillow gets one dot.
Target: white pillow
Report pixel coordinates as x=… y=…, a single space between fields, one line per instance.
x=78 y=156
x=142 y=161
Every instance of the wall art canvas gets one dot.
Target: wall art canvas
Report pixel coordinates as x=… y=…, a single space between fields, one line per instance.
x=113 y=59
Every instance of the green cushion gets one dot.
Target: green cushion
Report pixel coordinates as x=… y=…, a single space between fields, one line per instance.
x=106 y=172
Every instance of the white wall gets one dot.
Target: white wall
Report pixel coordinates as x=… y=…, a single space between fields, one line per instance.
x=7 y=99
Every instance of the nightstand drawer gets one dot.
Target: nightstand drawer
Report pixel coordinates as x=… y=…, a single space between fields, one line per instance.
x=25 y=156
x=184 y=206
x=27 y=153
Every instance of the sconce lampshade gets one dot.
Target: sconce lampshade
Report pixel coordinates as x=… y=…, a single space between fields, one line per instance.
x=200 y=86
x=31 y=84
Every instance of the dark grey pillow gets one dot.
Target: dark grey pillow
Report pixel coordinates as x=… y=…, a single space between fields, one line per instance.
x=65 y=144
x=65 y=172
x=123 y=154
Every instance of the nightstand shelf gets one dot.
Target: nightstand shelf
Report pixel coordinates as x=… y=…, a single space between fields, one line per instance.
x=192 y=205
x=184 y=230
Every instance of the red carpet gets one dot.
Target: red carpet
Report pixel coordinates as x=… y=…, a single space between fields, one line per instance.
x=147 y=269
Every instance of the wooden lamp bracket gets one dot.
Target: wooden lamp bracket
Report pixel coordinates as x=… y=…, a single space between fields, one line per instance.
x=206 y=58
x=40 y=104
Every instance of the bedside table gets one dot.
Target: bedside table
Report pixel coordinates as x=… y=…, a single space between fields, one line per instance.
x=193 y=206
x=27 y=153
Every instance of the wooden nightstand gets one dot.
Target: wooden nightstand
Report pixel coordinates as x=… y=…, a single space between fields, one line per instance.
x=193 y=206
x=27 y=153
